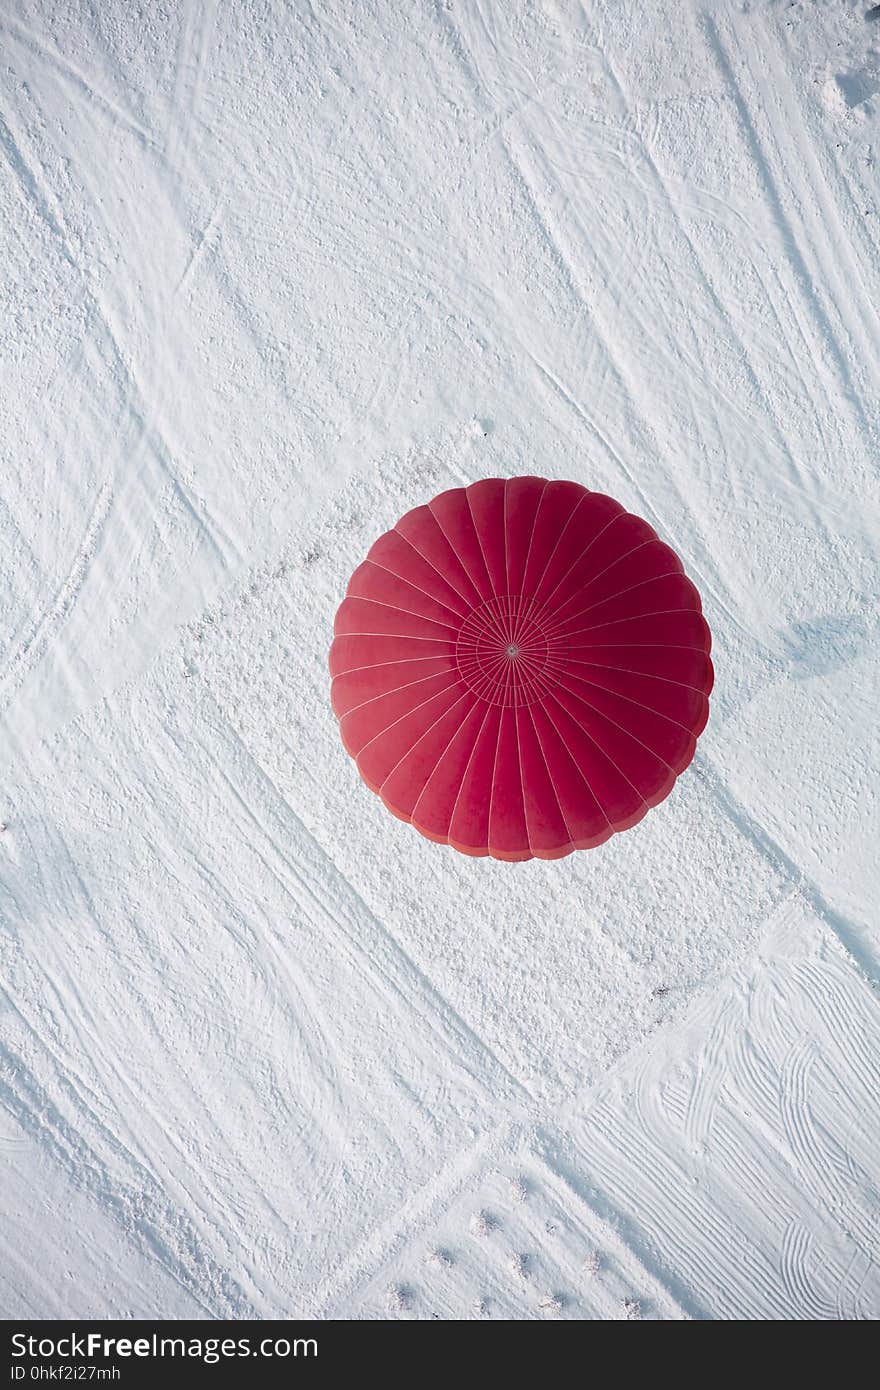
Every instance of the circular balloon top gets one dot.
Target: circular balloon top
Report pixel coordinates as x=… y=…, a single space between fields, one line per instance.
x=521 y=668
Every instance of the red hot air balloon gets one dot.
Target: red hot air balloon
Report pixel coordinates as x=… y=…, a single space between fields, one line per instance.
x=521 y=668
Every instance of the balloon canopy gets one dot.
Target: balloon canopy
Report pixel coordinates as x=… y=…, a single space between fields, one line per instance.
x=521 y=668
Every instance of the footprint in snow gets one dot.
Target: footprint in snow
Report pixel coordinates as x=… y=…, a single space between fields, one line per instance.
x=441 y=1257
x=483 y=1223
x=400 y=1298
x=552 y=1304
x=519 y=1190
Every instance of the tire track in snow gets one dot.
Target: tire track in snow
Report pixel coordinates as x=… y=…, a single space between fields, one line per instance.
x=837 y=1019
x=852 y=935
x=727 y=324
x=849 y=1294
x=110 y=500
x=620 y=1233
x=304 y=1018
x=110 y=345
x=95 y=1080
x=74 y=76
x=710 y=1076
x=799 y=1123
x=825 y=421
x=839 y=1182
x=760 y=1034
x=418 y=1210
x=138 y=1204
x=401 y=979
x=639 y=1161
x=51 y=618
x=796 y=1258
x=564 y=269
x=768 y=1136
x=785 y=230
x=789 y=1129
x=700 y=1142
x=284 y=992
x=612 y=365
x=828 y=237
x=643 y=1167
x=202 y=246
x=12 y=1136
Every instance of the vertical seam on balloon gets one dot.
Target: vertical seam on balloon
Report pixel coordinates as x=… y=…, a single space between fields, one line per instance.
x=604 y=751
x=543 y=604
x=446 y=749
x=532 y=535
x=640 y=704
x=521 y=616
x=495 y=616
x=396 y=608
x=508 y=675
x=652 y=579
x=492 y=793
x=519 y=674
x=465 y=567
x=455 y=552
x=562 y=814
x=622 y=671
x=466 y=771
x=629 y=733
x=575 y=509
x=481 y=607
x=522 y=781
x=404 y=660
x=422 y=556
x=504 y=529
x=651 y=540
x=461 y=564
x=618 y=560
x=480 y=541
x=396 y=689
x=575 y=764
x=415 y=744
x=418 y=588
x=637 y=618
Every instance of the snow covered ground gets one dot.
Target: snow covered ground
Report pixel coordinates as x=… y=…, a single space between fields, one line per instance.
x=273 y=274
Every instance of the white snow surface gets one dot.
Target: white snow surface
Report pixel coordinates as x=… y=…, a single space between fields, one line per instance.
x=272 y=275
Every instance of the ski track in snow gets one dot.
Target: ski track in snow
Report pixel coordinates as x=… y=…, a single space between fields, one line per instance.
x=267 y=288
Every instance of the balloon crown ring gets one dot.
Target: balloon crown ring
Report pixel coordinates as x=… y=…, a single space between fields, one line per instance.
x=521 y=668
x=506 y=652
